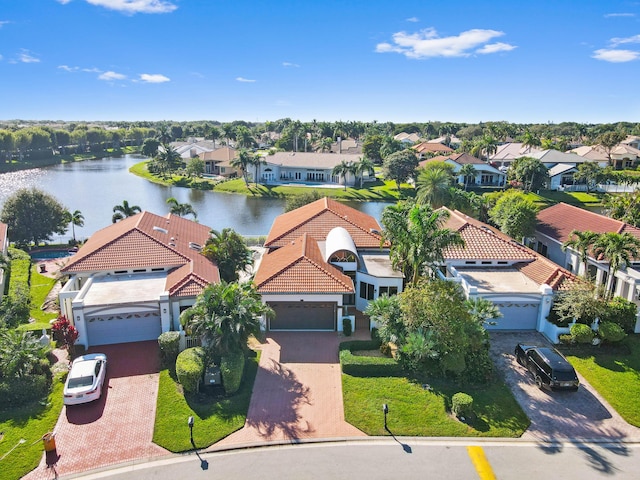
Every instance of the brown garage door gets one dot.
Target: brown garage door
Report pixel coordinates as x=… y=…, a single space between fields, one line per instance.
x=303 y=316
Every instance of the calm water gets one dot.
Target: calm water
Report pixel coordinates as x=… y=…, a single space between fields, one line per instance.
x=95 y=186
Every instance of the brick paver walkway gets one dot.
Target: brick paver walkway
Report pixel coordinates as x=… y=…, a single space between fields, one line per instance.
x=298 y=390
x=116 y=428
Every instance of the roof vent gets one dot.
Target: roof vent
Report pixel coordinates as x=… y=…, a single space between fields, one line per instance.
x=160 y=229
x=195 y=246
x=171 y=244
x=375 y=231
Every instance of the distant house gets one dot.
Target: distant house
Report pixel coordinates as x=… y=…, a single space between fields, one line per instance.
x=305 y=167
x=508 y=152
x=4 y=246
x=131 y=280
x=347 y=145
x=323 y=259
x=632 y=141
x=218 y=162
x=409 y=138
x=624 y=156
x=561 y=176
x=486 y=175
x=593 y=153
x=555 y=225
x=193 y=149
x=448 y=140
x=426 y=149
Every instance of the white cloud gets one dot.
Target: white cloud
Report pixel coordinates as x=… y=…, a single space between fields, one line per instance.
x=67 y=68
x=244 y=80
x=110 y=76
x=4 y=22
x=25 y=57
x=428 y=44
x=413 y=19
x=153 y=78
x=615 y=56
x=289 y=64
x=612 y=15
x=620 y=41
x=133 y=6
x=496 y=47
x=92 y=70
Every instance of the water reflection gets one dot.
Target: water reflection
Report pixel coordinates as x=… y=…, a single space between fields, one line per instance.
x=95 y=186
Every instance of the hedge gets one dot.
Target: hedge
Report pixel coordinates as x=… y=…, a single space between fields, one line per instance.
x=582 y=333
x=462 y=405
x=169 y=343
x=611 y=332
x=365 y=366
x=190 y=368
x=15 y=392
x=621 y=312
x=231 y=368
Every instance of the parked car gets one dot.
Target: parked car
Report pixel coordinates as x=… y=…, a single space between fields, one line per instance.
x=549 y=368
x=85 y=379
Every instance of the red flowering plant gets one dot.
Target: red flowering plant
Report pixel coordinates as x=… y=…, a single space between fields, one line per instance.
x=64 y=333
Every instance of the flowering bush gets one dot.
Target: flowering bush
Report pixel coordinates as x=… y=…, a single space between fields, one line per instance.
x=64 y=333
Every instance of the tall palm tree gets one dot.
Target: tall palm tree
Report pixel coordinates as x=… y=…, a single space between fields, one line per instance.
x=77 y=220
x=242 y=162
x=214 y=134
x=467 y=171
x=619 y=249
x=324 y=145
x=418 y=239
x=582 y=242
x=244 y=138
x=181 y=209
x=224 y=315
x=228 y=250
x=343 y=169
x=256 y=161
x=123 y=211
x=433 y=185
x=362 y=166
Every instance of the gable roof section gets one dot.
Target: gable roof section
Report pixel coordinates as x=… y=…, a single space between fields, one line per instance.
x=300 y=268
x=558 y=221
x=432 y=147
x=561 y=168
x=483 y=242
x=222 y=154
x=318 y=219
x=310 y=160
x=148 y=240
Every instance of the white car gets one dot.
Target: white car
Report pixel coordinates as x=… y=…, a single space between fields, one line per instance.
x=85 y=379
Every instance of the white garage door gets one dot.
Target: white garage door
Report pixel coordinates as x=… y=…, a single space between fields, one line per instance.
x=135 y=327
x=516 y=316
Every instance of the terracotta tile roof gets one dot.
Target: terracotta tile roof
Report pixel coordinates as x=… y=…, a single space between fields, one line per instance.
x=432 y=147
x=318 y=219
x=483 y=242
x=300 y=268
x=559 y=220
x=222 y=154
x=147 y=240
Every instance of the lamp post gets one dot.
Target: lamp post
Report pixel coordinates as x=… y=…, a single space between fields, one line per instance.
x=385 y=410
x=190 y=423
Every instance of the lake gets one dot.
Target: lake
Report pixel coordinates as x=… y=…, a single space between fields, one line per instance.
x=95 y=186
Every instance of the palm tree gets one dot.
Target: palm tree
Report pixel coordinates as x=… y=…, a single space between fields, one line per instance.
x=123 y=211
x=256 y=161
x=76 y=220
x=241 y=162
x=343 y=169
x=228 y=250
x=619 y=249
x=20 y=353
x=433 y=185
x=324 y=145
x=530 y=140
x=224 y=315
x=214 y=134
x=582 y=243
x=244 y=138
x=181 y=209
x=418 y=239
x=467 y=171
x=362 y=166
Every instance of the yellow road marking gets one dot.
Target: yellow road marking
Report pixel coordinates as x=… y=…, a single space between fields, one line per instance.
x=485 y=472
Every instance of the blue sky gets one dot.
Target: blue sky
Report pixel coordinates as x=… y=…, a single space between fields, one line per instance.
x=400 y=61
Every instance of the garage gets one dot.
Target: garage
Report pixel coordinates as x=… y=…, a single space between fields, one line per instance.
x=516 y=316
x=134 y=327
x=303 y=316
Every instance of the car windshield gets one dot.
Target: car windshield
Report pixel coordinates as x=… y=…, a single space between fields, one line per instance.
x=561 y=376
x=81 y=382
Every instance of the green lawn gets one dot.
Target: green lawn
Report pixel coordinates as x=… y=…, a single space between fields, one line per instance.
x=215 y=418
x=615 y=376
x=580 y=199
x=40 y=288
x=27 y=423
x=416 y=411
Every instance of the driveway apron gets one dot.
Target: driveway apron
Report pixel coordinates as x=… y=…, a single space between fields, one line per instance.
x=581 y=415
x=298 y=391
x=116 y=428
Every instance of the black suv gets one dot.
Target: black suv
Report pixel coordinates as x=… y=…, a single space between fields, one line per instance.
x=548 y=367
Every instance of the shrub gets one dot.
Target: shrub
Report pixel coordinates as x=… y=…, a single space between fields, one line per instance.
x=64 y=333
x=581 y=333
x=565 y=339
x=621 y=312
x=18 y=391
x=462 y=405
x=169 y=343
x=346 y=327
x=14 y=309
x=231 y=368
x=190 y=368
x=611 y=332
x=361 y=366
x=374 y=334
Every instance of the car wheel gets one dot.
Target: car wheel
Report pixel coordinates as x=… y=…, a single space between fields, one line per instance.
x=538 y=381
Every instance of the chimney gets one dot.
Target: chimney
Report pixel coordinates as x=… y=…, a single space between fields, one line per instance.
x=339 y=144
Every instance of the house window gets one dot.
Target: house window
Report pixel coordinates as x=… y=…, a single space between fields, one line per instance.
x=366 y=291
x=349 y=299
x=389 y=291
x=542 y=249
x=298 y=176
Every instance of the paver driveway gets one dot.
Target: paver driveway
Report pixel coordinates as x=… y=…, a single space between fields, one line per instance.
x=298 y=391
x=119 y=426
x=582 y=415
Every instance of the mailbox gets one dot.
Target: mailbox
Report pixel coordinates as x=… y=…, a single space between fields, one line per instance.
x=212 y=376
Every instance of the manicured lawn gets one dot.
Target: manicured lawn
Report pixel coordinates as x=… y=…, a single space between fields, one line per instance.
x=214 y=418
x=416 y=411
x=27 y=423
x=580 y=199
x=40 y=288
x=616 y=376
